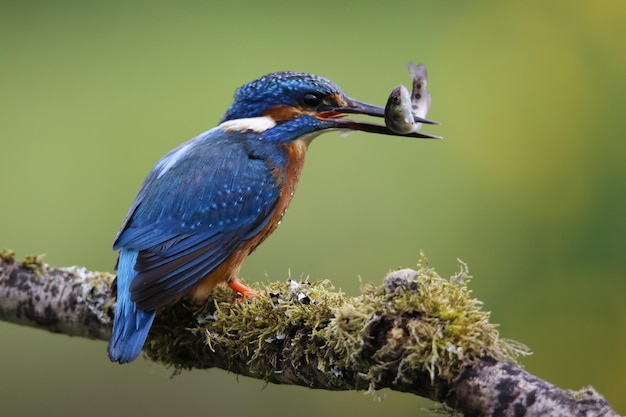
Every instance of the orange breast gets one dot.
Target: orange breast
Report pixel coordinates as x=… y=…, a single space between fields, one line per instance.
x=229 y=269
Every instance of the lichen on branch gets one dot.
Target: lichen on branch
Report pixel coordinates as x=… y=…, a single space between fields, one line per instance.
x=415 y=324
x=416 y=333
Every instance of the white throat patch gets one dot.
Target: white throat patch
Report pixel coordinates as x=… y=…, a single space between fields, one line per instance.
x=253 y=124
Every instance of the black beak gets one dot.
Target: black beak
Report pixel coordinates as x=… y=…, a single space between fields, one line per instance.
x=358 y=107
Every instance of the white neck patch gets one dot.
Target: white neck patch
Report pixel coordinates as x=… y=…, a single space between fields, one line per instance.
x=255 y=124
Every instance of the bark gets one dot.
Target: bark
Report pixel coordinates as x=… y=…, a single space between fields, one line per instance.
x=417 y=333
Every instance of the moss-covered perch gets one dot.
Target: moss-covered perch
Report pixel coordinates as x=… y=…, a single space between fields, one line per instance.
x=416 y=333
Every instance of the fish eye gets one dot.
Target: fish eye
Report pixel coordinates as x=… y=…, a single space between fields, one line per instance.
x=311 y=100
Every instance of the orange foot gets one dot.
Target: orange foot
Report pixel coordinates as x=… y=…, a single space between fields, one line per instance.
x=243 y=289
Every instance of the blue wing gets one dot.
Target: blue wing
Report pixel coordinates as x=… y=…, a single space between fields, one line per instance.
x=199 y=204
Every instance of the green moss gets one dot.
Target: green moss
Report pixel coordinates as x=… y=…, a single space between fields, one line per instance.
x=35 y=264
x=452 y=331
x=7 y=255
x=424 y=324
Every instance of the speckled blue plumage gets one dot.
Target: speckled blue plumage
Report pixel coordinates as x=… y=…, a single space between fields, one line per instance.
x=205 y=199
x=199 y=203
x=220 y=191
x=279 y=88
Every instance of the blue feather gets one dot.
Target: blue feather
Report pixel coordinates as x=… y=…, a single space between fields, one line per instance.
x=276 y=89
x=205 y=199
x=197 y=207
x=130 y=326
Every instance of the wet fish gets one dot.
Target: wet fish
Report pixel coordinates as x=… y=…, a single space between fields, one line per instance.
x=399 y=111
x=402 y=107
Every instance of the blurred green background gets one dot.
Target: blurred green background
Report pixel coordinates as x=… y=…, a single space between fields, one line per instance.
x=528 y=187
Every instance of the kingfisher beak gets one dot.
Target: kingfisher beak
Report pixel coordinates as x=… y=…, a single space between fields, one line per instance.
x=336 y=114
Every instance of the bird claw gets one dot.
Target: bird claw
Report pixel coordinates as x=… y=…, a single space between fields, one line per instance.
x=242 y=289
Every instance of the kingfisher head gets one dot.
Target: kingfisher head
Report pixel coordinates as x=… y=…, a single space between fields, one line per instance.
x=292 y=104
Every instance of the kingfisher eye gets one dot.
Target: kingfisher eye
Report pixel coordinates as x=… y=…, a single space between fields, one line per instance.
x=311 y=100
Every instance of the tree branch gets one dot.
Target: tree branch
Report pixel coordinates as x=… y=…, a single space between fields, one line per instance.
x=416 y=333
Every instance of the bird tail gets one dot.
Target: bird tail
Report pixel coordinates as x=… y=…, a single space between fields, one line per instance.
x=130 y=326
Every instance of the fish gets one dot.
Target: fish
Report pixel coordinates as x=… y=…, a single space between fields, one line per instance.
x=402 y=107
x=399 y=111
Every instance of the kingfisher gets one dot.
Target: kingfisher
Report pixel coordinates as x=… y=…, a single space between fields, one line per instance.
x=207 y=204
